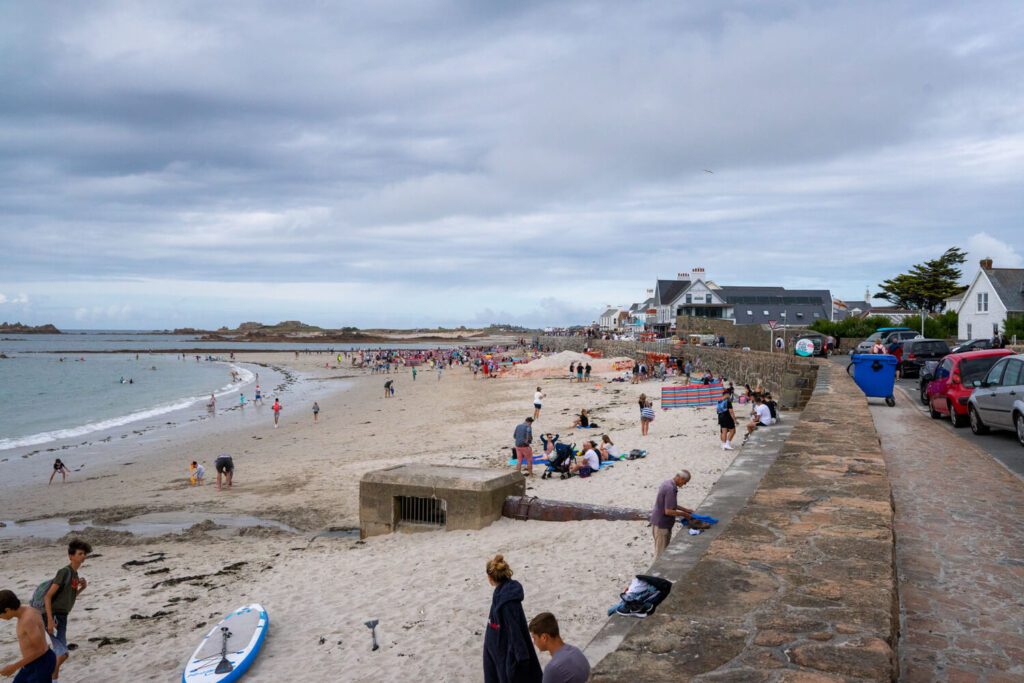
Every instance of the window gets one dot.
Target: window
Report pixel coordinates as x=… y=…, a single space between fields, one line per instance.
x=429 y=511
x=1013 y=377
x=750 y=313
x=942 y=372
x=800 y=315
x=689 y=298
x=969 y=335
x=992 y=378
x=817 y=315
x=766 y=312
x=982 y=302
x=995 y=329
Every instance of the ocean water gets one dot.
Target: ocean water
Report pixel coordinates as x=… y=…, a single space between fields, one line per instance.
x=59 y=387
x=49 y=397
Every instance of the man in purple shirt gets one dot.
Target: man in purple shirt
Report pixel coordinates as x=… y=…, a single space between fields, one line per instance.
x=666 y=510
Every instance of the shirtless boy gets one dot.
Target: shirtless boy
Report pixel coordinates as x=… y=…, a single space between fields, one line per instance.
x=37 y=659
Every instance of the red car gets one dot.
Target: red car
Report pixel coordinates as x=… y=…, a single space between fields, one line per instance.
x=953 y=382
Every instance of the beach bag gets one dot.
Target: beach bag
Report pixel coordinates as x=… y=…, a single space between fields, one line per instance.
x=38 y=600
x=723 y=406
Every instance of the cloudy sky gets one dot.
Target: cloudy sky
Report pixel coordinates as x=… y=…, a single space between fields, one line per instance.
x=165 y=164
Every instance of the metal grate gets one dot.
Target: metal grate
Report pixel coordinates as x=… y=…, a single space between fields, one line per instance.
x=429 y=511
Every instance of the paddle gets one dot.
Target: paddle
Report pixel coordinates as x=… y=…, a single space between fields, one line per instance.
x=224 y=666
x=372 y=625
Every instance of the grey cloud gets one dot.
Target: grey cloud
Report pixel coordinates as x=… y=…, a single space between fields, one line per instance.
x=452 y=145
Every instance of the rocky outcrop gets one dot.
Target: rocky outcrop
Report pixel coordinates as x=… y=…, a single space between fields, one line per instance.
x=18 y=328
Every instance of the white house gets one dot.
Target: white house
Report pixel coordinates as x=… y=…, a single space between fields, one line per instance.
x=994 y=294
x=610 y=319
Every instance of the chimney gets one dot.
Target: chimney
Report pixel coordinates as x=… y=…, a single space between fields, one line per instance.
x=986 y=264
x=698 y=274
x=682 y=276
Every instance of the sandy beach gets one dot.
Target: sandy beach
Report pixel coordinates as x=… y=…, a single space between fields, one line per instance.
x=141 y=621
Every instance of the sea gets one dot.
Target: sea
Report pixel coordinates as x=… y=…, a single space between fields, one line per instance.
x=66 y=389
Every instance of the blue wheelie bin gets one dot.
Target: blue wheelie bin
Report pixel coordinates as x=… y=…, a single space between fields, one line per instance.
x=875 y=374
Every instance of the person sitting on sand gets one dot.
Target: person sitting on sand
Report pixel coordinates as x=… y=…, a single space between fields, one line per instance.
x=588 y=463
x=58 y=466
x=583 y=421
x=608 y=450
x=549 y=444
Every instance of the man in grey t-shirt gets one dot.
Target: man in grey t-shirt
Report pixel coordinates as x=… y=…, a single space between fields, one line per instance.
x=663 y=517
x=568 y=664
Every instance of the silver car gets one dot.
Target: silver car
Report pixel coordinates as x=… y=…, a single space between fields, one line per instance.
x=998 y=400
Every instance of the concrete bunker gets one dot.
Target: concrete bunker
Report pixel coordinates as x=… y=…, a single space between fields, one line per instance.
x=416 y=497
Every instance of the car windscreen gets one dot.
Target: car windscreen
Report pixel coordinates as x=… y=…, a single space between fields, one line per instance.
x=930 y=348
x=976 y=368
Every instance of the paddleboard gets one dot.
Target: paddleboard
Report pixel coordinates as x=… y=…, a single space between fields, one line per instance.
x=247 y=628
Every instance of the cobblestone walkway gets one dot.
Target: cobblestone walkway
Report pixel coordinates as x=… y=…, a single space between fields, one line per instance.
x=959 y=552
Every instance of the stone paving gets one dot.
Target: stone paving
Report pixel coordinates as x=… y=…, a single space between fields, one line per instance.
x=801 y=584
x=959 y=551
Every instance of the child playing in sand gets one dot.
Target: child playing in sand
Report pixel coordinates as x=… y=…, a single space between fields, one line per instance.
x=58 y=466
x=197 y=471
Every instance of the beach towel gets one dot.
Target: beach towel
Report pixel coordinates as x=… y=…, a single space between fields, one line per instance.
x=537 y=460
x=698 y=518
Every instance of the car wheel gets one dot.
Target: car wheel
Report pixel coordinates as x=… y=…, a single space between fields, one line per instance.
x=1018 y=421
x=957 y=419
x=935 y=415
x=977 y=426
x=924 y=394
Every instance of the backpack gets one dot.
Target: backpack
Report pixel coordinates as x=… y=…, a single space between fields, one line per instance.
x=644 y=603
x=723 y=406
x=39 y=596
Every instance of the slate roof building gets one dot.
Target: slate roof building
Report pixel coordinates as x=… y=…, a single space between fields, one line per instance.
x=994 y=295
x=693 y=294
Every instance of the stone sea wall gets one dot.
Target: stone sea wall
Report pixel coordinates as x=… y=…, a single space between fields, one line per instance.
x=801 y=585
x=790 y=379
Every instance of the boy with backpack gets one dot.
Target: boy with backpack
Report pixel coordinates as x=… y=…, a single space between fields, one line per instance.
x=56 y=598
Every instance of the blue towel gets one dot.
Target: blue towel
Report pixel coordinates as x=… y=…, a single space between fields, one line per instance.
x=699 y=518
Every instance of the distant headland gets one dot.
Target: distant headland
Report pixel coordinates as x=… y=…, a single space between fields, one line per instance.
x=296 y=331
x=18 y=328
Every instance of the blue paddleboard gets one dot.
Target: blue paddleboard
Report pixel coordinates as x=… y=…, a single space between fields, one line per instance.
x=225 y=655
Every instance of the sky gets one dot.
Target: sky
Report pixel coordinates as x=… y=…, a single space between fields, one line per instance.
x=416 y=164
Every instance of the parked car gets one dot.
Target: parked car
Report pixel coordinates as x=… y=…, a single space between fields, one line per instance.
x=998 y=399
x=883 y=334
x=949 y=385
x=917 y=352
x=972 y=345
x=817 y=339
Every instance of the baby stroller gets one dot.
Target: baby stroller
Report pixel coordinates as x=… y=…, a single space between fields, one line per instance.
x=565 y=455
